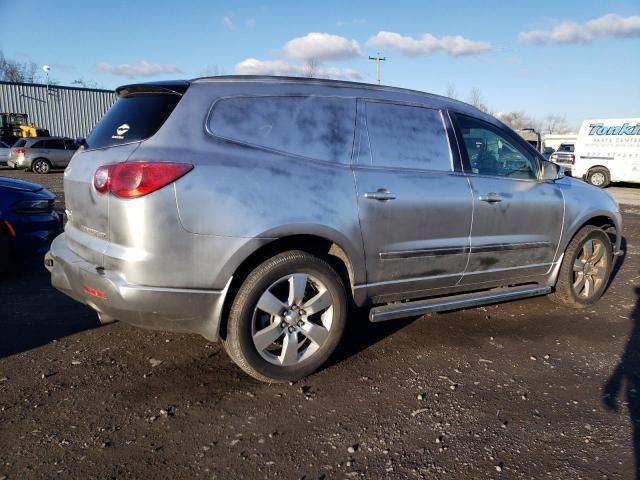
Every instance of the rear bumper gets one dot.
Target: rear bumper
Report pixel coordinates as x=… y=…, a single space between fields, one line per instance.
x=173 y=309
x=19 y=162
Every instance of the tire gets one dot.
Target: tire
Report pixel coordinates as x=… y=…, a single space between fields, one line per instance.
x=41 y=166
x=573 y=281
x=599 y=177
x=273 y=347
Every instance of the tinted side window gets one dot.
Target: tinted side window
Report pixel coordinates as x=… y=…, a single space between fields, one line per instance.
x=315 y=127
x=407 y=137
x=40 y=144
x=55 y=144
x=70 y=144
x=133 y=118
x=492 y=152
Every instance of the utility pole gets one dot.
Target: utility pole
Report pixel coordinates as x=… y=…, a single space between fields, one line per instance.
x=378 y=59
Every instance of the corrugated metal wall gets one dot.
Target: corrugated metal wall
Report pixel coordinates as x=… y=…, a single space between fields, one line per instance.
x=65 y=111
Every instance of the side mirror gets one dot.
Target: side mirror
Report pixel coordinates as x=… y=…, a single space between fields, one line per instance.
x=551 y=171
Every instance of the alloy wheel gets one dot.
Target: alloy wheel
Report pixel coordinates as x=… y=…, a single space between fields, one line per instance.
x=292 y=319
x=590 y=268
x=41 y=167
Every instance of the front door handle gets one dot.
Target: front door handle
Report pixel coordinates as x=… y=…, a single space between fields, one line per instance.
x=382 y=194
x=491 y=198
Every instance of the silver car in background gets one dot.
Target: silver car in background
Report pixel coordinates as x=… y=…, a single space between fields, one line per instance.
x=41 y=154
x=258 y=210
x=4 y=153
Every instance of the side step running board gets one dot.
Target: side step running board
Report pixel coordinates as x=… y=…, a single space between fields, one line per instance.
x=454 y=302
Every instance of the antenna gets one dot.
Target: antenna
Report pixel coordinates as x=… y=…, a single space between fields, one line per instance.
x=378 y=59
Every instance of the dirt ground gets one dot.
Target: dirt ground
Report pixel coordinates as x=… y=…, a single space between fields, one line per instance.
x=525 y=389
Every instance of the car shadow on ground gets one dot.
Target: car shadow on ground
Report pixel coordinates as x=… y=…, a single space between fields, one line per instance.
x=33 y=313
x=628 y=372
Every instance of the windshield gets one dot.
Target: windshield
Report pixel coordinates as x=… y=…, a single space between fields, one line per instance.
x=133 y=118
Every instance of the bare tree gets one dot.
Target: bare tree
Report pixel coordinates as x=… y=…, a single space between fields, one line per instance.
x=451 y=90
x=476 y=99
x=553 y=123
x=81 y=82
x=517 y=119
x=310 y=68
x=16 y=71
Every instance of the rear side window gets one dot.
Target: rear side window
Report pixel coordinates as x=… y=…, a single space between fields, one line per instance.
x=133 y=118
x=407 y=137
x=315 y=127
x=40 y=144
x=70 y=144
x=54 y=144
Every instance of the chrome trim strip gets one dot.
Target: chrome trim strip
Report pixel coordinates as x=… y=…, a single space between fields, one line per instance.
x=432 y=252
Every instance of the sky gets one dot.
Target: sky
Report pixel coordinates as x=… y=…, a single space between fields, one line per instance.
x=580 y=59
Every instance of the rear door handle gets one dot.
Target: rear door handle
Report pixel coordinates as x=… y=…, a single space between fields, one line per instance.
x=382 y=194
x=491 y=198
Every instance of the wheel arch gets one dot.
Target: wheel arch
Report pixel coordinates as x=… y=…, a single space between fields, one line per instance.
x=604 y=220
x=342 y=259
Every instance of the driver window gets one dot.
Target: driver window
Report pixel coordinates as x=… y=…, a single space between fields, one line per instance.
x=491 y=153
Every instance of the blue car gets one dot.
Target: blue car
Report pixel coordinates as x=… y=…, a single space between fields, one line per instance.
x=28 y=222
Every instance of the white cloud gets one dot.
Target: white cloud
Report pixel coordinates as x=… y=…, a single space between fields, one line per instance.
x=228 y=22
x=253 y=66
x=250 y=22
x=321 y=47
x=142 y=69
x=354 y=21
x=427 y=43
x=570 y=32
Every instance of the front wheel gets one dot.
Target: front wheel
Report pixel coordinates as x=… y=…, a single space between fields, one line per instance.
x=287 y=318
x=586 y=268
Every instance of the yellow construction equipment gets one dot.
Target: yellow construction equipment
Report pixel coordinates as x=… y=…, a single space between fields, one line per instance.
x=16 y=125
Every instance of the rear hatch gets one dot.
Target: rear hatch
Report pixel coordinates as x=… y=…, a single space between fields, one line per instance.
x=137 y=115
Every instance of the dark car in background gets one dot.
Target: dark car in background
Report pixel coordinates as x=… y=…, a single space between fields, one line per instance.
x=28 y=222
x=41 y=154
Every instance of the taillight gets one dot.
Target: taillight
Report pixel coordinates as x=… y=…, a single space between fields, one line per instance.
x=135 y=179
x=19 y=150
x=573 y=159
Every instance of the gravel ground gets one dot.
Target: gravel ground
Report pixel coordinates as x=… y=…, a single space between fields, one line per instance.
x=525 y=389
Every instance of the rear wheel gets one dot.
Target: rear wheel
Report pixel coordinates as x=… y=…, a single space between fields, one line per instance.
x=287 y=318
x=599 y=177
x=41 y=165
x=586 y=268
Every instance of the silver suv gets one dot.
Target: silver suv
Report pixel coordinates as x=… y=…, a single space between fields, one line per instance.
x=259 y=210
x=41 y=154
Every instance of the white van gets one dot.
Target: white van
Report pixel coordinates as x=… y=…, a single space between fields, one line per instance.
x=608 y=150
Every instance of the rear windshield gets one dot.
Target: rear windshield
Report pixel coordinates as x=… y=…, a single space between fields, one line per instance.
x=20 y=143
x=133 y=118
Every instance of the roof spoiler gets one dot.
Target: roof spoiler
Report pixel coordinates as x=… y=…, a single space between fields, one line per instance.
x=170 y=87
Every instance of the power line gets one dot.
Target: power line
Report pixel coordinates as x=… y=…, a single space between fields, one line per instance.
x=378 y=59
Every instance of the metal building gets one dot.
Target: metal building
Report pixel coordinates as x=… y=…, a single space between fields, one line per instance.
x=65 y=111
